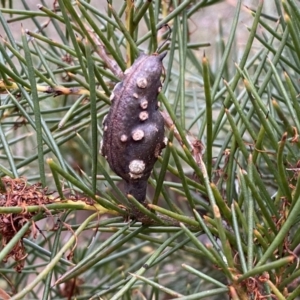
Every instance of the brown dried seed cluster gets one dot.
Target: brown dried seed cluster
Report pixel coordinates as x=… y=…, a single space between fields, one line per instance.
x=18 y=193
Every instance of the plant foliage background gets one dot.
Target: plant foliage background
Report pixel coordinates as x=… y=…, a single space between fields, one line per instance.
x=224 y=196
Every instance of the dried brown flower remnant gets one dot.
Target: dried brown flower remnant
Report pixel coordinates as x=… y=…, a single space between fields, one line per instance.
x=16 y=192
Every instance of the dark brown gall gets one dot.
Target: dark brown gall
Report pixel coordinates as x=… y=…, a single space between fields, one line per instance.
x=134 y=128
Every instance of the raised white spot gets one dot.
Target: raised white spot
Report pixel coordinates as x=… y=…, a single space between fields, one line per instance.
x=158 y=104
x=112 y=96
x=105 y=128
x=144 y=104
x=142 y=83
x=124 y=138
x=135 y=95
x=136 y=168
x=165 y=140
x=138 y=134
x=159 y=89
x=143 y=115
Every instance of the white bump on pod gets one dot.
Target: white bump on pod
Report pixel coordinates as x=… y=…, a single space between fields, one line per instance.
x=105 y=128
x=112 y=96
x=135 y=95
x=165 y=141
x=136 y=168
x=138 y=134
x=124 y=138
x=159 y=89
x=144 y=104
x=143 y=115
x=142 y=83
